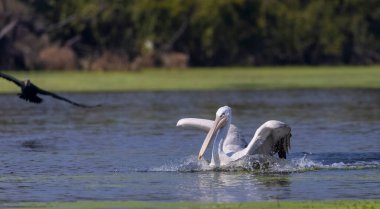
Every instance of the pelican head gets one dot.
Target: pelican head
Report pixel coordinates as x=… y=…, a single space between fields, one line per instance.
x=222 y=120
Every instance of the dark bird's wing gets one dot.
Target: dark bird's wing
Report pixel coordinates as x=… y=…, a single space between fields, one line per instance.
x=30 y=98
x=41 y=91
x=12 y=79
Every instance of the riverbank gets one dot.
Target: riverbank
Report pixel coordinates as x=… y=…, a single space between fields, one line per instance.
x=259 y=78
x=338 y=204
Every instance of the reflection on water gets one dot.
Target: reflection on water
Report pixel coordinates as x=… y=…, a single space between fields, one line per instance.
x=227 y=186
x=130 y=149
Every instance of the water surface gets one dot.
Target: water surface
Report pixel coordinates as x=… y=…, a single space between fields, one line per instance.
x=130 y=149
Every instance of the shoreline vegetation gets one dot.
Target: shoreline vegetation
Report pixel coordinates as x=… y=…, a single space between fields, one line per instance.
x=335 y=204
x=135 y=34
x=202 y=79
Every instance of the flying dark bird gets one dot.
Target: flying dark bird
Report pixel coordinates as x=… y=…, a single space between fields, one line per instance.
x=29 y=91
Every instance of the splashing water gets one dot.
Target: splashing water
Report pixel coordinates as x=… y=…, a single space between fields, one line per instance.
x=268 y=164
x=189 y=164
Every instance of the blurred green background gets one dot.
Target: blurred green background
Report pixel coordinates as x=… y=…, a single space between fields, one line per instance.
x=136 y=34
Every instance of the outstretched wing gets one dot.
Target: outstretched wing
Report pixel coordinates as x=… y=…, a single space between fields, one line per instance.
x=10 y=78
x=56 y=96
x=196 y=123
x=234 y=140
x=270 y=138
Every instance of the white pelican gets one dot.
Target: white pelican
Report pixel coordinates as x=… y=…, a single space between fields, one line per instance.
x=270 y=138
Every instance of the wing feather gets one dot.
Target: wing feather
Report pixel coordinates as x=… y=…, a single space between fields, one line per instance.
x=270 y=138
x=56 y=96
x=195 y=123
x=200 y=124
x=11 y=78
x=234 y=139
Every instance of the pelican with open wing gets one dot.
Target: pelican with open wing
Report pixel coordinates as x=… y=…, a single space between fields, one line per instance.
x=273 y=137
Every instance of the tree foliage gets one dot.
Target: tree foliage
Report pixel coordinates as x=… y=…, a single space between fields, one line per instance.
x=219 y=32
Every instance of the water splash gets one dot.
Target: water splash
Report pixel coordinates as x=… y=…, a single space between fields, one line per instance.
x=254 y=163
x=267 y=164
x=338 y=161
x=188 y=164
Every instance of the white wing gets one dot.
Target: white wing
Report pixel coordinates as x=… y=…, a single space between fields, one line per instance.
x=196 y=123
x=270 y=138
x=233 y=142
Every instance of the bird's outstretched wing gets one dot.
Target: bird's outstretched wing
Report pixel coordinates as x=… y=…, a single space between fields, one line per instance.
x=195 y=123
x=56 y=96
x=270 y=138
x=233 y=141
x=10 y=78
